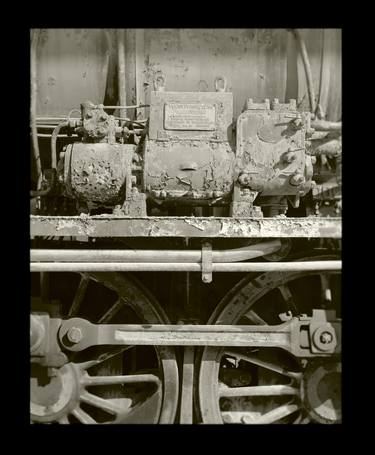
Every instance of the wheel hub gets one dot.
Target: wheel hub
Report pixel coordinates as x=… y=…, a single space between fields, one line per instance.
x=322 y=391
x=54 y=395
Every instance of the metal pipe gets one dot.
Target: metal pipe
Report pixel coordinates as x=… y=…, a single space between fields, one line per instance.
x=325 y=125
x=164 y=256
x=54 y=119
x=121 y=71
x=184 y=267
x=59 y=135
x=44 y=127
x=54 y=136
x=307 y=67
x=126 y=107
x=34 y=88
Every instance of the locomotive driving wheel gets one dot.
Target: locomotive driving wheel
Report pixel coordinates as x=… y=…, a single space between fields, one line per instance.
x=103 y=384
x=270 y=385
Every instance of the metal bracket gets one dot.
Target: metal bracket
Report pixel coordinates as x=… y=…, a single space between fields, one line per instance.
x=207 y=262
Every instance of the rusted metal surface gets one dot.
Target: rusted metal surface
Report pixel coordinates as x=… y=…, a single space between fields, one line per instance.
x=271 y=149
x=96 y=173
x=110 y=226
x=189 y=152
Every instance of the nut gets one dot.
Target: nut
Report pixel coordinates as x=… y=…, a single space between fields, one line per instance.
x=74 y=335
x=326 y=338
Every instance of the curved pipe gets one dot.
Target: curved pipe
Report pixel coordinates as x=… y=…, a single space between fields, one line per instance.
x=307 y=67
x=162 y=256
x=54 y=136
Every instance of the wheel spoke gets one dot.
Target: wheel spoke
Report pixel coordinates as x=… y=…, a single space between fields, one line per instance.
x=64 y=420
x=79 y=296
x=103 y=357
x=271 y=416
x=105 y=404
x=125 y=379
x=255 y=391
x=288 y=298
x=255 y=318
x=326 y=290
x=143 y=412
x=264 y=364
x=115 y=308
x=82 y=416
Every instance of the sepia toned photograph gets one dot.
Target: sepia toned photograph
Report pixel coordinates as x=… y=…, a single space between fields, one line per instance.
x=185 y=226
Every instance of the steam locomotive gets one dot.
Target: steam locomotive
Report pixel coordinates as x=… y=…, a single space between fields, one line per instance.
x=186 y=265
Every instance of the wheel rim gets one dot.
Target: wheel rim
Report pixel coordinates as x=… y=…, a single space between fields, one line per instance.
x=106 y=385
x=268 y=385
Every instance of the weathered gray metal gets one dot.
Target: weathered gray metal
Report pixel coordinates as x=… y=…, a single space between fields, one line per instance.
x=187 y=386
x=133 y=255
x=111 y=226
x=271 y=149
x=183 y=267
x=286 y=335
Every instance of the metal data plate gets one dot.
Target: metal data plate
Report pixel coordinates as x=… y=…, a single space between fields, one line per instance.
x=189 y=116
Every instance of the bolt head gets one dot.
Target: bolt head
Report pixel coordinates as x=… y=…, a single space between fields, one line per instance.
x=74 y=335
x=326 y=338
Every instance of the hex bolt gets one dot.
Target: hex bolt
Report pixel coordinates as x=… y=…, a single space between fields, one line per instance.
x=74 y=335
x=296 y=179
x=326 y=338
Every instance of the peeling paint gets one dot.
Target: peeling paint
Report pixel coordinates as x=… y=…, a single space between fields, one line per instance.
x=111 y=226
